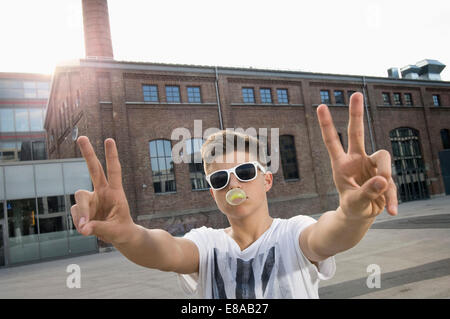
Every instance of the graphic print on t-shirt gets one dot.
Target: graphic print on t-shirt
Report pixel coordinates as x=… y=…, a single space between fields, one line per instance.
x=260 y=277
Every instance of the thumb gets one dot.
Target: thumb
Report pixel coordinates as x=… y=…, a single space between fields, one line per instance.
x=93 y=227
x=373 y=188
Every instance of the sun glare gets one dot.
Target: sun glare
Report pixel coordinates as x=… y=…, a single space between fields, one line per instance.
x=38 y=41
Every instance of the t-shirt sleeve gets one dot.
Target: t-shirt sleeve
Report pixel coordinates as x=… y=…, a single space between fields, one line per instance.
x=327 y=267
x=190 y=282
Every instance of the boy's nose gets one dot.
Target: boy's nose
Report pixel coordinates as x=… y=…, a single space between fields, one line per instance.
x=233 y=181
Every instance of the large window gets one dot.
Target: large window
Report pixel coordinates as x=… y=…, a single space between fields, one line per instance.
x=196 y=171
x=38 y=210
x=408 y=99
x=339 y=97
x=445 y=137
x=173 y=94
x=398 y=99
x=23 y=89
x=162 y=166
x=21 y=120
x=288 y=157
x=7 y=120
x=193 y=93
x=409 y=165
x=325 y=97
x=150 y=93
x=266 y=96
x=283 y=97
x=436 y=100
x=386 y=98
x=248 y=95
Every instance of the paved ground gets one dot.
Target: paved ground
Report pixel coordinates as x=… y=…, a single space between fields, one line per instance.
x=412 y=250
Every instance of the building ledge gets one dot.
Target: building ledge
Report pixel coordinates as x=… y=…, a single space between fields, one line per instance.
x=266 y=104
x=149 y=104
x=403 y=107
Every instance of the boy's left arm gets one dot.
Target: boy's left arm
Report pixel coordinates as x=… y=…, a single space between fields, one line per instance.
x=364 y=184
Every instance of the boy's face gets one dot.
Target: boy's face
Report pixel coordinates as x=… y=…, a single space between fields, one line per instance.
x=255 y=189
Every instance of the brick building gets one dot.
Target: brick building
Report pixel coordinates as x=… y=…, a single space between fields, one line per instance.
x=140 y=104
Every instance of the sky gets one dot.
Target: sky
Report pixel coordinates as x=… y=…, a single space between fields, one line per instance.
x=325 y=36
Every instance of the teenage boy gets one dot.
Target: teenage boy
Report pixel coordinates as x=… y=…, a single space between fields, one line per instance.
x=257 y=256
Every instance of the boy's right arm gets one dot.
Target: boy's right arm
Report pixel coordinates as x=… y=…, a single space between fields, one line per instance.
x=156 y=248
x=105 y=213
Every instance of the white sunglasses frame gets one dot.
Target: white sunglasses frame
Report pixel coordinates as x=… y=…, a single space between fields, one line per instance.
x=256 y=164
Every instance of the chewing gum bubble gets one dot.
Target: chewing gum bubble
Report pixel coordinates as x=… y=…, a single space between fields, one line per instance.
x=235 y=196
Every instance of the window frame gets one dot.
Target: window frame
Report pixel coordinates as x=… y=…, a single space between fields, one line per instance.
x=165 y=157
x=335 y=97
x=171 y=87
x=399 y=102
x=245 y=96
x=436 y=100
x=194 y=96
x=322 y=101
x=284 y=96
x=264 y=93
x=155 y=86
x=408 y=101
x=284 y=163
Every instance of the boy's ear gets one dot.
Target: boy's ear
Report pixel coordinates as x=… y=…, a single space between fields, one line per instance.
x=212 y=193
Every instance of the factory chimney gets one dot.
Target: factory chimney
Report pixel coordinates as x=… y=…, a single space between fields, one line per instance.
x=97 y=34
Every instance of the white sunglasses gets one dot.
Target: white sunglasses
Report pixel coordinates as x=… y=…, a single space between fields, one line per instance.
x=244 y=172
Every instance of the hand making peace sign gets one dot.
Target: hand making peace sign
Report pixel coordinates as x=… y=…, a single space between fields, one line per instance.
x=104 y=212
x=364 y=183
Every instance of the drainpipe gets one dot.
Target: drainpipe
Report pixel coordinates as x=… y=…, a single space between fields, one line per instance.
x=369 y=120
x=218 y=98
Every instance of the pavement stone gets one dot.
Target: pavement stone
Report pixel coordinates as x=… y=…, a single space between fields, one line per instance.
x=414 y=263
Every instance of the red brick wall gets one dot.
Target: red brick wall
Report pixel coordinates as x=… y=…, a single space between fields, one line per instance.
x=111 y=102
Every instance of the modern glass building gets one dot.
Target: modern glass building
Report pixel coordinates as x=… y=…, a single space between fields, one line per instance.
x=23 y=101
x=35 y=219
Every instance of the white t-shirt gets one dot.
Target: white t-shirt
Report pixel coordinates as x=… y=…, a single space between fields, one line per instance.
x=271 y=267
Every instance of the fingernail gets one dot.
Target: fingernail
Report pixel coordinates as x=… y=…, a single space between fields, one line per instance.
x=82 y=221
x=393 y=209
x=378 y=186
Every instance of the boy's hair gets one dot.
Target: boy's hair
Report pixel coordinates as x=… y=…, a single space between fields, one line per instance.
x=218 y=140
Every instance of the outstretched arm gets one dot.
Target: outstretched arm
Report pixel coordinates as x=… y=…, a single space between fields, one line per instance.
x=364 y=184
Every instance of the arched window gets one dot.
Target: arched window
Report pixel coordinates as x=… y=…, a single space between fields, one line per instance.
x=409 y=164
x=445 y=137
x=196 y=171
x=288 y=157
x=162 y=166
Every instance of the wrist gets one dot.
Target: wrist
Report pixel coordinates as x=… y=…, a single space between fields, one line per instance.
x=360 y=218
x=129 y=236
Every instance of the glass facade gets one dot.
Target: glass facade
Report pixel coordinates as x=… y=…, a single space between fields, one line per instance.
x=22 y=114
x=23 y=89
x=35 y=220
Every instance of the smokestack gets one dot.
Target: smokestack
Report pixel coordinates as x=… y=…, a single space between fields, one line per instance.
x=97 y=34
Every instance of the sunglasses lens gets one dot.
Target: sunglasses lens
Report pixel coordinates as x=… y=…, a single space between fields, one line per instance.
x=219 y=179
x=246 y=171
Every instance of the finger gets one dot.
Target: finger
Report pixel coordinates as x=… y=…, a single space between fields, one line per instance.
x=75 y=217
x=96 y=228
x=113 y=164
x=356 y=124
x=84 y=211
x=329 y=134
x=381 y=159
x=94 y=166
x=373 y=188
x=391 y=198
